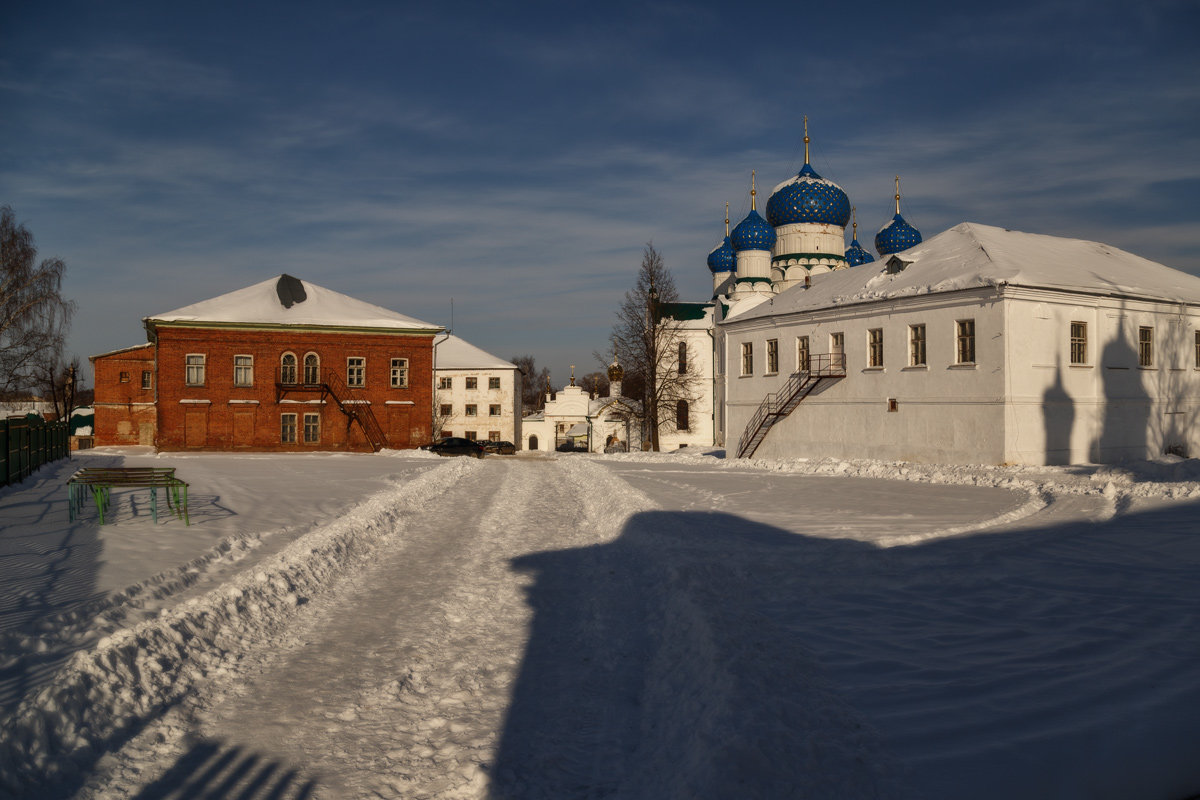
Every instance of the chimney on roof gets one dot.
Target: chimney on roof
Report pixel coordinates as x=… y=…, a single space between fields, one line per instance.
x=290 y=290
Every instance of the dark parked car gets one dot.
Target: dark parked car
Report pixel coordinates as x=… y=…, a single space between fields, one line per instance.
x=503 y=448
x=455 y=446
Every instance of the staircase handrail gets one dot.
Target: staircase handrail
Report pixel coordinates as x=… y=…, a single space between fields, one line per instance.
x=820 y=365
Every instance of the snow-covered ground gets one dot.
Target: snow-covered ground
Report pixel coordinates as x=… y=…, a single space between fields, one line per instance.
x=638 y=626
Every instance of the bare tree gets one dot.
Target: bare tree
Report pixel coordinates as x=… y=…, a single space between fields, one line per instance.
x=646 y=339
x=533 y=383
x=33 y=314
x=62 y=384
x=594 y=383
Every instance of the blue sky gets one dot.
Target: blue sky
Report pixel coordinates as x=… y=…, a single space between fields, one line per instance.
x=517 y=157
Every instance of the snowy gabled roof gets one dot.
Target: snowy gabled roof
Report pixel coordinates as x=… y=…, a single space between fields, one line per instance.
x=120 y=350
x=284 y=300
x=456 y=353
x=971 y=255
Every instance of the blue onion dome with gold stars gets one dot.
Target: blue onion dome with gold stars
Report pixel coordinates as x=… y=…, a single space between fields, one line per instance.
x=722 y=259
x=856 y=254
x=897 y=235
x=753 y=233
x=808 y=198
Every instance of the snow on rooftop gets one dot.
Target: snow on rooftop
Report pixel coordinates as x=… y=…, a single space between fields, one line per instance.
x=970 y=256
x=284 y=300
x=457 y=353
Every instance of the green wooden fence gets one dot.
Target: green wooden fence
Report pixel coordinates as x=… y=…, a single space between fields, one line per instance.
x=28 y=442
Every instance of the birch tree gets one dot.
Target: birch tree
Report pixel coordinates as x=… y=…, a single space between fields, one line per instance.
x=34 y=316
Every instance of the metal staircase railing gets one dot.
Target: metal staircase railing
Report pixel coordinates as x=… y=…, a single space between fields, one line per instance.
x=348 y=400
x=777 y=405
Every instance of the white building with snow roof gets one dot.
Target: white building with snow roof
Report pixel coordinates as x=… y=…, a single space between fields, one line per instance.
x=978 y=345
x=573 y=419
x=478 y=394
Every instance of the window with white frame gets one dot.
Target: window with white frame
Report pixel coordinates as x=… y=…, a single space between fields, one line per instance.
x=747 y=358
x=356 y=371
x=243 y=370
x=803 y=356
x=147 y=377
x=916 y=346
x=399 y=373
x=287 y=369
x=837 y=350
x=445 y=383
x=287 y=428
x=875 y=347
x=194 y=369
x=964 y=335
x=493 y=383
x=772 y=356
x=1145 y=346
x=312 y=428
x=312 y=369
x=494 y=410
x=1079 y=343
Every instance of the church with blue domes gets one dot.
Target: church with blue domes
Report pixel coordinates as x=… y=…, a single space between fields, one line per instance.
x=977 y=345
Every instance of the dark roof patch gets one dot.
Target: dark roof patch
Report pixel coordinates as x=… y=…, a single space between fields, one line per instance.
x=290 y=290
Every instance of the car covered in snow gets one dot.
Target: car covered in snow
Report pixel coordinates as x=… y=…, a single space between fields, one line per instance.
x=455 y=446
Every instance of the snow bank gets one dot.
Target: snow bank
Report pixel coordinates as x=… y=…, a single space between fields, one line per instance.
x=1168 y=477
x=106 y=693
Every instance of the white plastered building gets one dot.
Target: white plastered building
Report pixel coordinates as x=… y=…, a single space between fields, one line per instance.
x=979 y=345
x=574 y=419
x=477 y=395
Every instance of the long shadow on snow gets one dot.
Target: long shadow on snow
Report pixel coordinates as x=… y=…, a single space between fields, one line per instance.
x=48 y=568
x=704 y=655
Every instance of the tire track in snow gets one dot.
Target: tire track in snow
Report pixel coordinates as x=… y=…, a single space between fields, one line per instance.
x=399 y=686
x=143 y=674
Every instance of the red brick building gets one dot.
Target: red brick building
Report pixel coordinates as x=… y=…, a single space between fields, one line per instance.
x=125 y=409
x=281 y=365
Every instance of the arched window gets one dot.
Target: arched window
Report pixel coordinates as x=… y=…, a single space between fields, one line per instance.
x=287 y=368
x=681 y=415
x=533 y=443
x=312 y=369
x=683 y=358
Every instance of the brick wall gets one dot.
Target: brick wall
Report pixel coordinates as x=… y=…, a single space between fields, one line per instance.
x=219 y=415
x=124 y=401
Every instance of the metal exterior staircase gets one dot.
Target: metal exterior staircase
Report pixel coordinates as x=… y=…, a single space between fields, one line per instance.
x=777 y=405
x=349 y=402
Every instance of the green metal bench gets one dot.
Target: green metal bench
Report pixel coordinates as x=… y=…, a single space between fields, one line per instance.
x=99 y=482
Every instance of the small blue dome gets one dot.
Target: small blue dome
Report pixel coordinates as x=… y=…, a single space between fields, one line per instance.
x=753 y=233
x=808 y=198
x=722 y=259
x=897 y=235
x=855 y=254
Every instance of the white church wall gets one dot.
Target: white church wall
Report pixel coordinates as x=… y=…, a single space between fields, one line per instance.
x=942 y=411
x=1105 y=407
x=699 y=432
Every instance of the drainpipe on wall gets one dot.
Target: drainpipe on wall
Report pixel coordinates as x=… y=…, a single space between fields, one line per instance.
x=434 y=400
